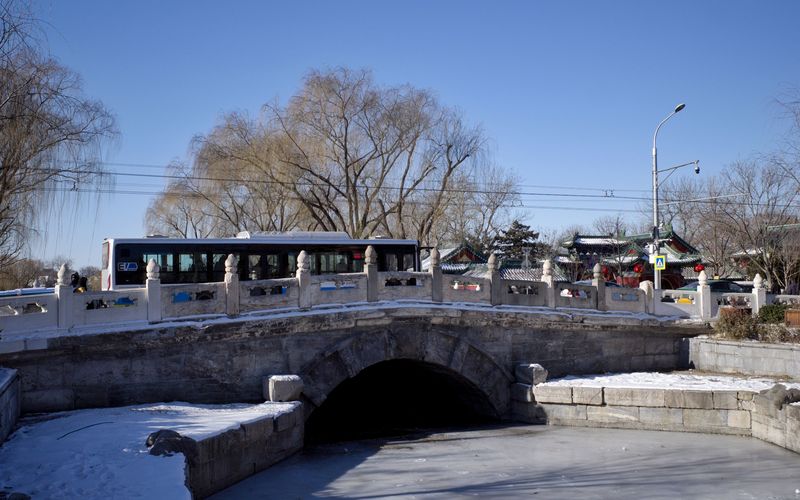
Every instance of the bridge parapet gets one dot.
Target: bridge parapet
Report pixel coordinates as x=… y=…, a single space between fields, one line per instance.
x=156 y=302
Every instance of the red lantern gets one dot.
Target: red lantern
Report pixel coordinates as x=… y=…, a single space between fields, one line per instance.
x=699 y=267
x=637 y=268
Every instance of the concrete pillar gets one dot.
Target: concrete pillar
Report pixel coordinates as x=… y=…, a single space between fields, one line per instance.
x=371 y=268
x=496 y=286
x=703 y=296
x=232 y=285
x=64 y=295
x=547 y=277
x=303 y=281
x=759 y=294
x=153 y=291
x=599 y=284
x=436 y=276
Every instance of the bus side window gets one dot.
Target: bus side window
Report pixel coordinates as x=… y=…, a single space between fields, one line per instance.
x=390 y=262
x=254 y=267
x=192 y=268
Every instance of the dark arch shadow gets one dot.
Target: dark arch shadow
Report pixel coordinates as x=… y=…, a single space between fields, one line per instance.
x=438 y=348
x=399 y=397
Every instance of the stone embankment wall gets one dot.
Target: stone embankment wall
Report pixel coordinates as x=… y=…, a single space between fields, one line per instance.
x=9 y=401
x=225 y=459
x=746 y=358
x=768 y=415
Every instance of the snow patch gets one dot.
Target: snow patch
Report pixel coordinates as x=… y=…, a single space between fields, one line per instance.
x=101 y=453
x=683 y=381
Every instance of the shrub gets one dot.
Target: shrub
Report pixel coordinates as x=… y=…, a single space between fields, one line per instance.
x=772 y=313
x=737 y=326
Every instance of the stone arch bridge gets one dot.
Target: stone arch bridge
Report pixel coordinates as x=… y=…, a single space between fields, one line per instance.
x=219 y=360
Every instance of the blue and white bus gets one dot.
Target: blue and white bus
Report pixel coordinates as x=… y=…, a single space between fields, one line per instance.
x=261 y=256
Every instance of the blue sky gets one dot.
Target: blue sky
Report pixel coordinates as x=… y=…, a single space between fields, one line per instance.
x=568 y=92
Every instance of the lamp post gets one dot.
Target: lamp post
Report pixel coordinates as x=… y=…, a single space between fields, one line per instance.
x=657 y=272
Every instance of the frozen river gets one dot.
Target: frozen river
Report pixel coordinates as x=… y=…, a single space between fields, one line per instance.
x=534 y=461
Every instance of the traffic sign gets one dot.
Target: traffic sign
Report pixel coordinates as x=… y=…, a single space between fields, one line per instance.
x=660 y=262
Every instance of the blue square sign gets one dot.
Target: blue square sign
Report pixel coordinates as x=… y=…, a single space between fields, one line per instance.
x=661 y=262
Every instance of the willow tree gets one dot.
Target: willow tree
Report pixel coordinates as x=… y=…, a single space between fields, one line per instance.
x=51 y=135
x=346 y=154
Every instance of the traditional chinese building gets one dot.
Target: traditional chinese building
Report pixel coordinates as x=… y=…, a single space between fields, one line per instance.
x=626 y=260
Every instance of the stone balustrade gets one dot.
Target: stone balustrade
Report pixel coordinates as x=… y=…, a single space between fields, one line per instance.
x=156 y=302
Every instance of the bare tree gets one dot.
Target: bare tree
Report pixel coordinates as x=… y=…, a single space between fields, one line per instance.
x=348 y=155
x=50 y=134
x=622 y=252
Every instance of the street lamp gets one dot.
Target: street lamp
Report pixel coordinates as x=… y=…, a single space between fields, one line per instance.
x=657 y=272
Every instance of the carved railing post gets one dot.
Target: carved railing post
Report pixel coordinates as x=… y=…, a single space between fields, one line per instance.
x=759 y=294
x=371 y=268
x=704 y=296
x=547 y=277
x=436 y=276
x=496 y=288
x=64 y=295
x=303 y=281
x=153 y=291
x=599 y=284
x=649 y=293
x=232 y=285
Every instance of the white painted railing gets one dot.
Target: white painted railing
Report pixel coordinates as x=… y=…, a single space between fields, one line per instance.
x=155 y=302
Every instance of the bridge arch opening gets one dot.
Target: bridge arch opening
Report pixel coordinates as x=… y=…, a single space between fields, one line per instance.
x=398 y=397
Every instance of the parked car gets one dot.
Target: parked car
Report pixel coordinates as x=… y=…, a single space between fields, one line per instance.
x=580 y=293
x=717 y=286
x=589 y=283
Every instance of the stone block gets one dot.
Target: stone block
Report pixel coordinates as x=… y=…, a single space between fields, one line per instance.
x=557 y=412
x=287 y=420
x=522 y=393
x=528 y=412
x=634 y=397
x=259 y=429
x=725 y=400
x=9 y=346
x=793 y=431
x=661 y=417
x=544 y=393
x=689 y=399
x=693 y=418
x=746 y=405
x=766 y=432
x=530 y=373
x=739 y=419
x=745 y=395
x=281 y=388
x=612 y=414
x=587 y=395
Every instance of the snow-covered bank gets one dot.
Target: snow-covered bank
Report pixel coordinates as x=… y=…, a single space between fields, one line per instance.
x=101 y=453
x=683 y=381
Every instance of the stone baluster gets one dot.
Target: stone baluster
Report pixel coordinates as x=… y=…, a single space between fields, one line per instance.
x=599 y=283
x=371 y=268
x=704 y=295
x=496 y=287
x=232 y=285
x=759 y=294
x=64 y=293
x=153 y=291
x=436 y=276
x=304 y=281
x=547 y=277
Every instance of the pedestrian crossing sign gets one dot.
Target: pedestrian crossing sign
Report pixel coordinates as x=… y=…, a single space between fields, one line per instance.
x=661 y=262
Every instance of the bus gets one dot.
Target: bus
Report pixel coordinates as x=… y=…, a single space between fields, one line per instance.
x=261 y=256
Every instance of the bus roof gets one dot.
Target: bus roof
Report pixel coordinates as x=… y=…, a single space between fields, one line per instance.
x=309 y=238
